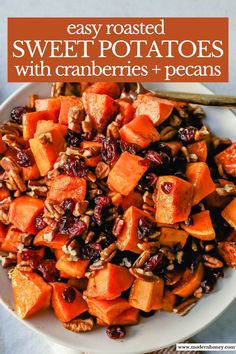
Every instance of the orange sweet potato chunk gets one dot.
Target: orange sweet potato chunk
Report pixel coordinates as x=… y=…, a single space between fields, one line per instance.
x=140 y=131
x=48 y=104
x=173 y=199
x=3 y=233
x=227 y=159
x=229 y=213
x=12 y=240
x=227 y=250
x=201 y=227
x=3 y=147
x=171 y=237
x=68 y=102
x=126 y=111
x=199 y=175
x=107 y=311
x=126 y=318
x=126 y=173
x=147 y=296
x=105 y=88
x=66 y=311
x=73 y=269
x=100 y=109
x=109 y=282
x=156 y=108
x=57 y=242
x=189 y=282
x=23 y=211
x=200 y=149
x=168 y=301
x=31 y=119
x=31 y=293
x=128 y=239
x=67 y=187
x=132 y=199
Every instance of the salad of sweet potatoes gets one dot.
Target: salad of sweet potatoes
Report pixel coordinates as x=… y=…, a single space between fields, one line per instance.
x=113 y=205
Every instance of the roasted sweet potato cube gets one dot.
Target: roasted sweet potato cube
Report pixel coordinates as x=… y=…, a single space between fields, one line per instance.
x=140 y=131
x=173 y=199
x=65 y=310
x=128 y=239
x=126 y=318
x=3 y=147
x=100 y=109
x=126 y=111
x=174 y=146
x=3 y=233
x=227 y=250
x=132 y=199
x=68 y=102
x=168 y=301
x=201 y=226
x=67 y=187
x=156 y=108
x=11 y=241
x=48 y=104
x=109 y=282
x=189 y=282
x=229 y=213
x=171 y=237
x=147 y=296
x=31 y=119
x=31 y=293
x=73 y=269
x=199 y=175
x=105 y=88
x=200 y=149
x=57 y=242
x=126 y=173
x=23 y=211
x=227 y=159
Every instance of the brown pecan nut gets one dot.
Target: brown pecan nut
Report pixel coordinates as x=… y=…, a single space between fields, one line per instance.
x=144 y=256
x=113 y=130
x=109 y=252
x=185 y=306
x=45 y=138
x=8 y=260
x=79 y=325
x=141 y=274
x=75 y=117
x=118 y=226
x=102 y=170
x=212 y=262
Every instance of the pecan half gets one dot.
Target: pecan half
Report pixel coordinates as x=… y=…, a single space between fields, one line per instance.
x=12 y=175
x=37 y=188
x=52 y=210
x=109 y=252
x=212 y=262
x=79 y=325
x=75 y=117
x=118 y=226
x=102 y=170
x=80 y=208
x=141 y=274
x=185 y=306
x=113 y=130
x=144 y=256
x=45 y=138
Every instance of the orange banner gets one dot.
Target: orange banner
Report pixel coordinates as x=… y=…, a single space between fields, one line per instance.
x=117 y=49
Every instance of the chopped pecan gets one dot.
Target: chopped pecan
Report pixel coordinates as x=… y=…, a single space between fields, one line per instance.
x=58 y=89
x=32 y=100
x=12 y=175
x=72 y=248
x=89 y=237
x=141 y=274
x=37 y=187
x=113 y=130
x=212 y=262
x=102 y=170
x=75 y=117
x=45 y=138
x=8 y=260
x=4 y=217
x=167 y=133
x=52 y=210
x=91 y=176
x=185 y=306
x=148 y=198
x=109 y=252
x=80 y=208
x=96 y=265
x=118 y=226
x=227 y=190
x=148 y=245
x=198 y=293
x=86 y=126
x=79 y=325
x=144 y=256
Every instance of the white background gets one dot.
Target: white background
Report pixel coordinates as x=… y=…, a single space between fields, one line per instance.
x=14 y=337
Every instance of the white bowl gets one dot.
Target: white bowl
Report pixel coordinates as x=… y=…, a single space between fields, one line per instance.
x=162 y=329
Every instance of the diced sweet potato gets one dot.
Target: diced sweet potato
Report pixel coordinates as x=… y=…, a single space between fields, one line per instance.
x=12 y=239
x=66 y=311
x=31 y=172
x=48 y=104
x=93 y=145
x=173 y=199
x=31 y=119
x=80 y=284
x=171 y=237
x=126 y=318
x=31 y=293
x=57 y=242
x=140 y=131
x=23 y=211
x=45 y=154
x=156 y=108
x=100 y=109
x=168 y=301
x=39 y=252
x=4 y=193
x=3 y=233
x=229 y=213
x=215 y=201
x=126 y=173
x=3 y=147
x=105 y=88
x=109 y=282
x=107 y=311
x=132 y=199
x=68 y=102
x=200 y=149
x=174 y=146
x=74 y=269
x=227 y=159
x=128 y=239
x=198 y=174
x=201 y=227
x=189 y=282
x=227 y=250
x=126 y=111
x=67 y=187
x=147 y=296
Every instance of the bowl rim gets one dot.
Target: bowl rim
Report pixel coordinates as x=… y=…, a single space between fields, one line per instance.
x=83 y=348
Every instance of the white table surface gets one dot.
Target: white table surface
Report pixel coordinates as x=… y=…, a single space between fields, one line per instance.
x=14 y=337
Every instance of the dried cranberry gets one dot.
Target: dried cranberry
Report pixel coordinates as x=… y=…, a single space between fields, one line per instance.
x=92 y=251
x=17 y=113
x=97 y=214
x=189 y=221
x=68 y=295
x=153 y=262
x=145 y=228
x=72 y=138
x=48 y=269
x=23 y=158
x=70 y=225
x=103 y=200
x=68 y=204
x=131 y=148
x=152 y=158
x=109 y=150
x=167 y=187
x=74 y=167
x=187 y=134
x=89 y=136
x=148 y=182
x=115 y=332
x=39 y=223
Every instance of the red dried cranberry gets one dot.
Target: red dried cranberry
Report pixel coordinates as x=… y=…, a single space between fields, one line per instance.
x=187 y=134
x=109 y=150
x=92 y=251
x=145 y=228
x=97 y=214
x=153 y=262
x=167 y=187
x=69 y=295
x=89 y=136
x=70 y=225
x=72 y=138
x=148 y=182
x=75 y=168
x=48 y=269
x=17 y=113
x=115 y=332
x=77 y=228
x=39 y=223
x=103 y=200
x=68 y=204
x=23 y=158
x=152 y=158
x=131 y=148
